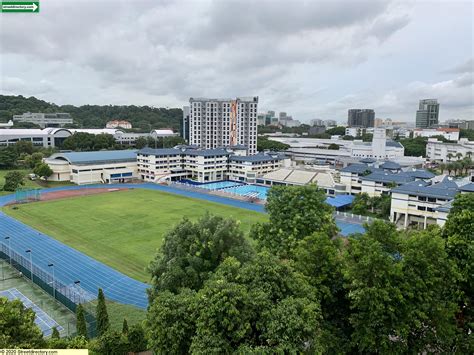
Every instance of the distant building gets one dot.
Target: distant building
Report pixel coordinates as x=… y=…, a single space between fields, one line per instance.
x=313 y=130
x=330 y=123
x=378 y=122
x=467 y=125
x=316 y=122
x=216 y=123
x=361 y=118
x=118 y=124
x=438 y=151
x=6 y=125
x=185 y=124
x=427 y=114
x=45 y=119
x=451 y=134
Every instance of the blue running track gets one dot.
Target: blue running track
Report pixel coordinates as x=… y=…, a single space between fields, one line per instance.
x=71 y=265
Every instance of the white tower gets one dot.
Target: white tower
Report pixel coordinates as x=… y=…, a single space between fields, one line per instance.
x=379 y=141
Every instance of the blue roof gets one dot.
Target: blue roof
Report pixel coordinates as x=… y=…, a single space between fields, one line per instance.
x=420 y=174
x=101 y=156
x=160 y=151
x=368 y=160
x=257 y=157
x=441 y=190
x=356 y=168
x=390 y=165
x=393 y=144
x=340 y=200
x=468 y=187
x=207 y=152
x=398 y=178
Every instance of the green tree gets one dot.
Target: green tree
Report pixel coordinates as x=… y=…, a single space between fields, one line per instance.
x=34 y=159
x=43 y=170
x=13 y=180
x=102 y=316
x=17 y=326
x=320 y=259
x=111 y=343
x=401 y=291
x=260 y=303
x=263 y=143
x=24 y=147
x=171 y=322
x=81 y=326
x=141 y=143
x=294 y=213
x=192 y=251
x=137 y=340
x=459 y=235
x=55 y=333
x=8 y=157
x=333 y=146
x=337 y=131
x=361 y=203
x=125 y=327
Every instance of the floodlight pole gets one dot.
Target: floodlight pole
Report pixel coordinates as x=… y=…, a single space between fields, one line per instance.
x=31 y=263
x=54 y=288
x=9 y=250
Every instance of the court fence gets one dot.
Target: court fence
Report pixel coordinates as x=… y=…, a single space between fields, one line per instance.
x=23 y=195
x=68 y=295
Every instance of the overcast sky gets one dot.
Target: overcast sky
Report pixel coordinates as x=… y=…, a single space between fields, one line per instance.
x=312 y=59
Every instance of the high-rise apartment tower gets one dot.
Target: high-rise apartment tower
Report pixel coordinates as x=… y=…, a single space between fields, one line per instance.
x=216 y=123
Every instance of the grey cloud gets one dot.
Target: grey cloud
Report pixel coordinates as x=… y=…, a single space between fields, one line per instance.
x=467 y=67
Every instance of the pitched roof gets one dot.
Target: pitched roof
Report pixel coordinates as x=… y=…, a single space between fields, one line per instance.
x=160 y=151
x=420 y=174
x=399 y=178
x=357 y=168
x=261 y=157
x=468 y=187
x=390 y=165
x=442 y=190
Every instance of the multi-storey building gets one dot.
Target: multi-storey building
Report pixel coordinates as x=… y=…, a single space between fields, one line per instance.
x=45 y=119
x=185 y=124
x=375 y=181
x=360 y=118
x=427 y=114
x=451 y=134
x=438 y=151
x=118 y=124
x=216 y=123
x=417 y=203
x=205 y=165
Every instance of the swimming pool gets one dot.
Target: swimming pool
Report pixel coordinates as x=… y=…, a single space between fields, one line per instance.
x=249 y=191
x=218 y=185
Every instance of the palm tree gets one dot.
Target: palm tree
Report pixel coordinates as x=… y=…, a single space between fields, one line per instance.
x=459 y=155
x=442 y=167
x=449 y=156
x=449 y=167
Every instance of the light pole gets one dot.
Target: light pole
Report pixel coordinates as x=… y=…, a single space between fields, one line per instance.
x=31 y=263
x=53 y=284
x=9 y=249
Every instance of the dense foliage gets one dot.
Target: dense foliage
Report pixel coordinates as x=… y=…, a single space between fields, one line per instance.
x=415 y=147
x=263 y=143
x=94 y=116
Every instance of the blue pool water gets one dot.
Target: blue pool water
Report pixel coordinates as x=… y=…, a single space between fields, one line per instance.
x=250 y=191
x=219 y=185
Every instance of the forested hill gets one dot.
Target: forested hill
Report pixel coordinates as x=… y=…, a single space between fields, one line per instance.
x=95 y=116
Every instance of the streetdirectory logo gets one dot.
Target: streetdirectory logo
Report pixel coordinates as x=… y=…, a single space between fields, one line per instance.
x=19 y=6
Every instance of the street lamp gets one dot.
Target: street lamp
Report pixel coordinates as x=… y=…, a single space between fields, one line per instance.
x=31 y=262
x=54 y=288
x=9 y=249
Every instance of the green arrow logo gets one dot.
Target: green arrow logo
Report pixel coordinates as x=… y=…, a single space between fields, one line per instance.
x=19 y=6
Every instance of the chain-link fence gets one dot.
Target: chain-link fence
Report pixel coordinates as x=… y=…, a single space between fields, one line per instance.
x=69 y=295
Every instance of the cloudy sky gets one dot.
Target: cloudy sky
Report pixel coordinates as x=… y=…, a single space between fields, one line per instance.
x=312 y=59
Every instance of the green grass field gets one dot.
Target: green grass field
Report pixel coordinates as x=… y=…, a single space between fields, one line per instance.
x=121 y=229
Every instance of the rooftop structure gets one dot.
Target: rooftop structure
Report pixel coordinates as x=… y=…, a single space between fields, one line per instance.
x=45 y=119
x=118 y=124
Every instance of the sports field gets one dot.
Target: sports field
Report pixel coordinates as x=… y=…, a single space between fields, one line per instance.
x=121 y=229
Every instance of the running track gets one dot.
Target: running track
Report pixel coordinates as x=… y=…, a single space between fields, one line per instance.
x=71 y=265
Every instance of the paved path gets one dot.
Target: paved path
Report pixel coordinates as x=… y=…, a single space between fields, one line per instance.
x=72 y=265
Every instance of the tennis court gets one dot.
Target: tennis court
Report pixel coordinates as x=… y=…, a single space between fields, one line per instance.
x=42 y=320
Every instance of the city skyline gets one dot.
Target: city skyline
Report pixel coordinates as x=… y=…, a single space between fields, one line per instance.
x=313 y=59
